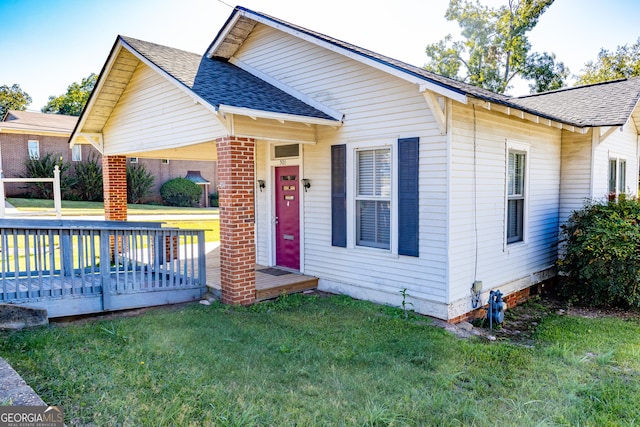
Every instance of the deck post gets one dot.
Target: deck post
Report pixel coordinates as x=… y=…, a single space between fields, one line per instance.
x=237 y=219
x=66 y=253
x=106 y=240
x=114 y=173
x=202 y=258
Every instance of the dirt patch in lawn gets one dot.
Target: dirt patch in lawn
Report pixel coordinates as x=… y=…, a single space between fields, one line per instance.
x=521 y=321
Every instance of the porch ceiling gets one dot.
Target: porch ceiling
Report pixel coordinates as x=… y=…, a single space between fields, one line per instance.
x=203 y=151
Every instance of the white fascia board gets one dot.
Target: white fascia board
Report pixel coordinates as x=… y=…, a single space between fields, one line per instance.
x=440 y=90
x=298 y=95
x=26 y=131
x=282 y=117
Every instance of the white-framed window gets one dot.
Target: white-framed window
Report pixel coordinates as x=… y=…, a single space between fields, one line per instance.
x=133 y=160
x=34 y=149
x=617 y=175
x=76 y=153
x=373 y=197
x=516 y=209
x=164 y=161
x=285 y=151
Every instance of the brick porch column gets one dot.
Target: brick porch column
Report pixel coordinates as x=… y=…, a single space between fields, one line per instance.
x=114 y=176
x=237 y=233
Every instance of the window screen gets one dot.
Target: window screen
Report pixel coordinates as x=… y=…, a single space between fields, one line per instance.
x=515 y=197
x=291 y=150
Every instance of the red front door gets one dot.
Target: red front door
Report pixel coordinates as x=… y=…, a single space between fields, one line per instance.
x=288 y=217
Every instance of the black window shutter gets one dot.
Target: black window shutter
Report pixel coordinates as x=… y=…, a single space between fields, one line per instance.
x=339 y=195
x=408 y=196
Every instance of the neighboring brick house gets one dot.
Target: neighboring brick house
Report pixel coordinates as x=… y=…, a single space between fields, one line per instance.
x=25 y=133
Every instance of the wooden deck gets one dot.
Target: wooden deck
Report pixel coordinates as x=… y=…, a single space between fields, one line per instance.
x=268 y=286
x=78 y=267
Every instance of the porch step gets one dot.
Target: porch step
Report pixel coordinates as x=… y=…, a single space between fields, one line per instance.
x=269 y=284
x=286 y=284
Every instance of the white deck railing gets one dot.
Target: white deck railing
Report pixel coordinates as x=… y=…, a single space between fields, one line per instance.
x=57 y=198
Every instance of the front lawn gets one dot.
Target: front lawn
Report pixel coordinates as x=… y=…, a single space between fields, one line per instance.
x=309 y=360
x=71 y=207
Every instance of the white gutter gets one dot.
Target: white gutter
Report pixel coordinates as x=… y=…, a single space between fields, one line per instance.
x=281 y=117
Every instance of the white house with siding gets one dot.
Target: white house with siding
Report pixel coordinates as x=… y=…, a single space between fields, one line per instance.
x=371 y=174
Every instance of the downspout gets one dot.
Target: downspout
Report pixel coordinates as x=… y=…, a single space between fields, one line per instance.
x=255 y=196
x=595 y=140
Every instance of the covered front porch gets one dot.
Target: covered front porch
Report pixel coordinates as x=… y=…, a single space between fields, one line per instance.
x=146 y=106
x=271 y=282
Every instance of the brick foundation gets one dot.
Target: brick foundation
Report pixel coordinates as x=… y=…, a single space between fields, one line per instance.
x=114 y=172
x=513 y=299
x=237 y=219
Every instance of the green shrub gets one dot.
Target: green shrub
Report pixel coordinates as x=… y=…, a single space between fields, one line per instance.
x=139 y=182
x=180 y=192
x=43 y=167
x=601 y=259
x=213 y=200
x=88 y=175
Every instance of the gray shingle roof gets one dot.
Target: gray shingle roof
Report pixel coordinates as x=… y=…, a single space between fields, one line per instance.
x=606 y=104
x=603 y=104
x=38 y=122
x=220 y=82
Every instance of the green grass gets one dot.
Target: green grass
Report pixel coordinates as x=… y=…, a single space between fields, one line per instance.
x=306 y=360
x=211 y=227
x=70 y=207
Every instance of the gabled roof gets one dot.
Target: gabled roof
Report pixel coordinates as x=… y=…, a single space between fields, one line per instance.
x=37 y=123
x=227 y=42
x=220 y=83
x=587 y=106
x=601 y=104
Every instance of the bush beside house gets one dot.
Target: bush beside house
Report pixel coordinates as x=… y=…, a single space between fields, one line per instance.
x=601 y=260
x=139 y=182
x=88 y=176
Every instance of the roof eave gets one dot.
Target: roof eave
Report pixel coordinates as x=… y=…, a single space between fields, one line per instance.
x=228 y=25
x=517 y=111
x=30 y=131
x=281 y=117
x=113 y=54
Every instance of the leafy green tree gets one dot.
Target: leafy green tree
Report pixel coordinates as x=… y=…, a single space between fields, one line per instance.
x=13 y=98
x=624 y=62
x=72 y=102
x=544 y=72
x=495 y=48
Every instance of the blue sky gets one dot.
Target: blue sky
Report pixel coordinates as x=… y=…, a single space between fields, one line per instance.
x=45 y=45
